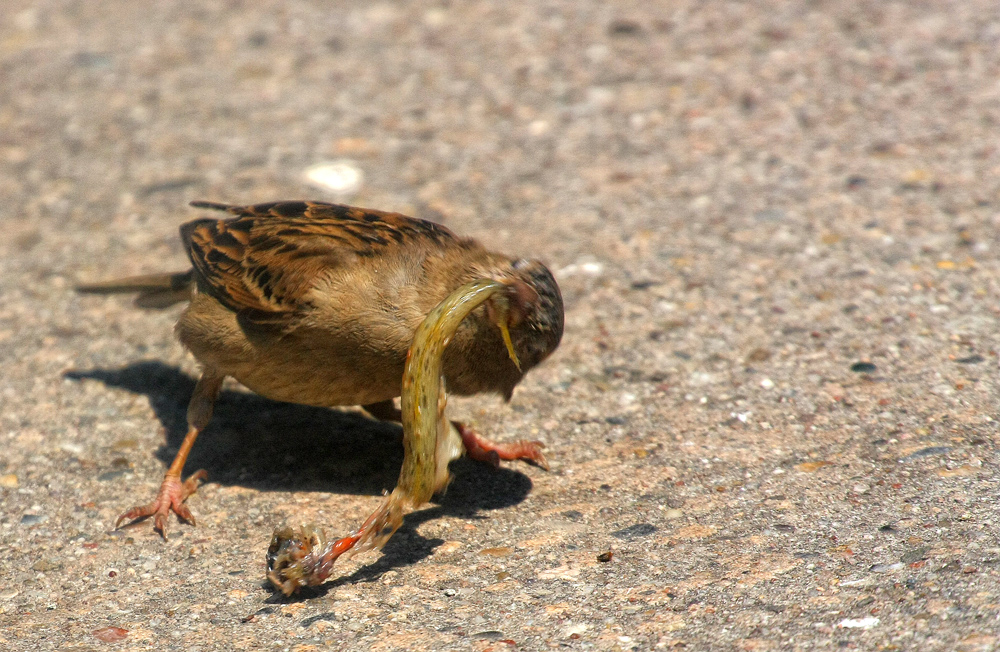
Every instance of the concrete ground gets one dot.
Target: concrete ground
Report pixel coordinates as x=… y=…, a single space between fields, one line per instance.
x=774 y=224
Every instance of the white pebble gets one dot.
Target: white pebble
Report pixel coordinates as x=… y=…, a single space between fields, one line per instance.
x=342 y=178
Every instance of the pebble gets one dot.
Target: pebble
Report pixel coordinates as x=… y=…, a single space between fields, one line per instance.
x=634 y=531
x=9 y=481
x=885 y=568
x=343 y=178
x=915 y=555
x=110 y=634
x=926 y=452
x=583 y=268
x=327 y=615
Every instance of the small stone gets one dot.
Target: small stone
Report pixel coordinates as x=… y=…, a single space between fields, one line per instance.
x=958 y=472
x=9 y=481
x=450 y=593
x=863 y=367
x=110 y=634
x=635 y=531
x=810 y=467
x=448 y=547
x=46 y=565
x=624 y=27
x=767 y=383
x=325 y=616
x=927 y=452
x=343 y=178
x=885 y=568
x=33 y=519
x=915 y=555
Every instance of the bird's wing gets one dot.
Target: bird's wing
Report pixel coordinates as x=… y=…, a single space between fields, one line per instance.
x=262 y=263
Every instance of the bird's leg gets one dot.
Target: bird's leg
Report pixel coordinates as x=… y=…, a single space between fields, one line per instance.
x=173 y=492
x=477 y=447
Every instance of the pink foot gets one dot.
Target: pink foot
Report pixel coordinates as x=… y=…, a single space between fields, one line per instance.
x=479 y=448
x=170 y=498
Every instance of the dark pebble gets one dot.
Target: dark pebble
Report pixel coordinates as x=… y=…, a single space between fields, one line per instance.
x=863 y=367
x=33 y=519
x=624 y=28
x=644 y=285
x=915 y=555
x=635 y=531
x=927 y=452
x=327 y=615
x=972 y=359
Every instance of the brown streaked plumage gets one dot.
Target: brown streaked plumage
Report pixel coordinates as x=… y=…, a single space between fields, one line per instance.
x=317 y=303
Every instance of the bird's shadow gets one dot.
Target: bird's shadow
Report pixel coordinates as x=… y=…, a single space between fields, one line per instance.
x=273 y=446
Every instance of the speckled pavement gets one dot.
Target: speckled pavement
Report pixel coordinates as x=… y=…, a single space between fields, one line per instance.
x=772 y=420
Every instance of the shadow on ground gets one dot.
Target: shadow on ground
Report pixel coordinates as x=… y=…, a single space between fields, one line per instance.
x=272 y=446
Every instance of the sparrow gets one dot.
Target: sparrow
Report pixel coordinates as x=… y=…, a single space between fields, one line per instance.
x=318 y=304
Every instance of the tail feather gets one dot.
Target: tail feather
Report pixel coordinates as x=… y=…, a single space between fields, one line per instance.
x=153 y=290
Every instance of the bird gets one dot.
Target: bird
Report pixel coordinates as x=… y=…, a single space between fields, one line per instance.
x=317 y=303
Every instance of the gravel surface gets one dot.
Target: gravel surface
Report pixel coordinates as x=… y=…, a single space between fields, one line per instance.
x=772 y=421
